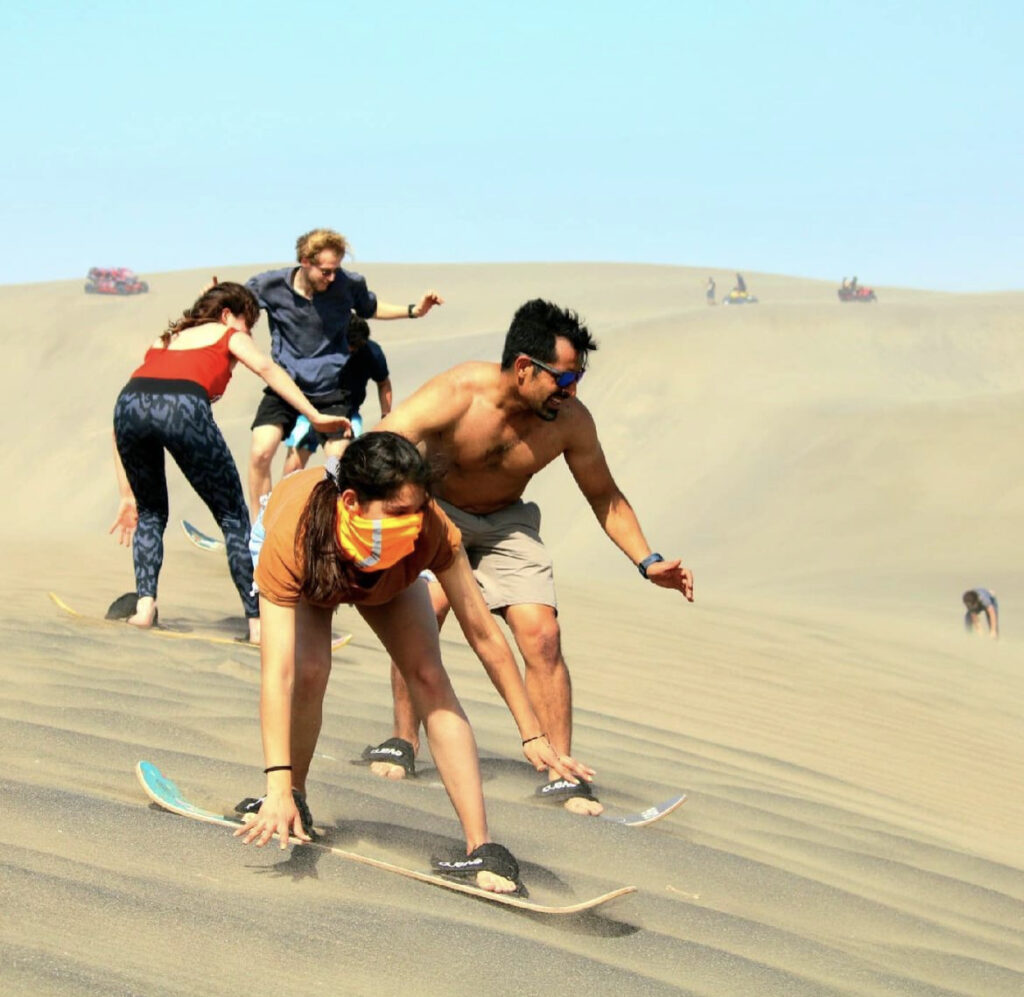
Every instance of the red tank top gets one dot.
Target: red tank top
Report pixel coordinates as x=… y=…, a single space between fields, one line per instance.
x=209 y=366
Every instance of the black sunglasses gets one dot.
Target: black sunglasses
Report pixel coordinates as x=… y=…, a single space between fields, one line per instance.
x=563 y=378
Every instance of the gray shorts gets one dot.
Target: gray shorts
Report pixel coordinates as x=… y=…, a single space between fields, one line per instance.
x=507 y=555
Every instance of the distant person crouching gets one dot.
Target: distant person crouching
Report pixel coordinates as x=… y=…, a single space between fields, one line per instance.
x=981 y=604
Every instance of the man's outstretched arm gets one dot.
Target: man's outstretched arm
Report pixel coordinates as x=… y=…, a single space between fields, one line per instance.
x=415 y=310
x=589 y=467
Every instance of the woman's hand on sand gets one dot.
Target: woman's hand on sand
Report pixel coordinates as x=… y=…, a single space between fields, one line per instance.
x=126 y=521
x=542 y=757
x=330 y=423
x=279 y=816
x=672 y=575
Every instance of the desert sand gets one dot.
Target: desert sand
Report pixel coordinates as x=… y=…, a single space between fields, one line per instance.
x=834 y=474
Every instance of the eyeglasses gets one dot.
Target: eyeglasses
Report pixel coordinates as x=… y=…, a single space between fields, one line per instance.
x=326 y=271
x=563 y=378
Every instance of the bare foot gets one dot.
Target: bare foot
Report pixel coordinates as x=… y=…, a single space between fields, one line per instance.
x=145 y=613
x=494 y=883
x=254 y=630
x=583 y=807
x=394 y=758
x=385 y=770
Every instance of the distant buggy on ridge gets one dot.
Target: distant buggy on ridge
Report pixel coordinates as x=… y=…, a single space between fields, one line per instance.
x=850 y=290
x=114 y=280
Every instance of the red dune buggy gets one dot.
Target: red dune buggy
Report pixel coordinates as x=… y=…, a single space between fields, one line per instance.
x=114 y=280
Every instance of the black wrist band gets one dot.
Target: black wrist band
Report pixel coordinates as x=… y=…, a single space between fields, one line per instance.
x=277 y=768
x=412 y=308
x=536 y=737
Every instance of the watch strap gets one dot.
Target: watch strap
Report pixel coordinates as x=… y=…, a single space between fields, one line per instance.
x=647 y=562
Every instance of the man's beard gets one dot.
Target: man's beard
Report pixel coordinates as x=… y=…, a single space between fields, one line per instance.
x=549 y=414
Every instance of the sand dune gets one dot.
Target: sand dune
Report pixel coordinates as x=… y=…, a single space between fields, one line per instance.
x=835 y=474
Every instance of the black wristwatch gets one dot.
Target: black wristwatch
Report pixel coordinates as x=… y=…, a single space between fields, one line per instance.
x=647 y=562
x=412 y=308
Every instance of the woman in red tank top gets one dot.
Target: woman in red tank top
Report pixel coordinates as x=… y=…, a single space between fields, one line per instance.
x=165 y=407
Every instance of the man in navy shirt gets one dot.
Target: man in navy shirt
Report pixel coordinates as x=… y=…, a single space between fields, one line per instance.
x=366 y=362
x=308 y=308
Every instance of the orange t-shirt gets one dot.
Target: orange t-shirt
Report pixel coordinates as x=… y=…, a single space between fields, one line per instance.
x=279 y=573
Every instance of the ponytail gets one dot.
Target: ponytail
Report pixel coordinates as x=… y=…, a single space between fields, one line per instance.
x=327 y=573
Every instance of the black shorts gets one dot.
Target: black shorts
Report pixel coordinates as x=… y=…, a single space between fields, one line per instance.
x=275 y=411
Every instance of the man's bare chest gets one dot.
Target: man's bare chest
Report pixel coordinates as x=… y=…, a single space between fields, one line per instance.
x=502 y=449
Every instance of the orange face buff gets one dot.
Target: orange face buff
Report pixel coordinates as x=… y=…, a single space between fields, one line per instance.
x=377 y=544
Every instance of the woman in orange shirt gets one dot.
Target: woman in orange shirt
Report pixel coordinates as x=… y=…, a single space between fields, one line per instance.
x=360 y=532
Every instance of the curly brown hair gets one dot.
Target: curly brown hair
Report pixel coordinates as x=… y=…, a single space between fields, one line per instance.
x=238 y=300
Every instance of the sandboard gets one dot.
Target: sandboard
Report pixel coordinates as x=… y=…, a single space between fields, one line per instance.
x=648 y=816
x=202 y=540
x=166 y=795
x=162 y=631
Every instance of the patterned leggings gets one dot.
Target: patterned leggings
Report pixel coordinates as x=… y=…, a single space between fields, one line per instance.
x=151 y=416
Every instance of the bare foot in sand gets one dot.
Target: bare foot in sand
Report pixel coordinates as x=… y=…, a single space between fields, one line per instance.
x=577 y=795
x=395 y=758
x=583 y=807
x=145 y=613
x=385 y=770
x=494 y=883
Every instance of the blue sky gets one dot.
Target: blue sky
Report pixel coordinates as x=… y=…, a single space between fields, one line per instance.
x=813 y=139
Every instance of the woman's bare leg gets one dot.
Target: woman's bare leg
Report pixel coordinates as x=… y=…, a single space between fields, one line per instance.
x=406 y=719
x=408 y=630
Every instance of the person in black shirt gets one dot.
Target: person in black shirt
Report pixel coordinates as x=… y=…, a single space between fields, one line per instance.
x=366 y=362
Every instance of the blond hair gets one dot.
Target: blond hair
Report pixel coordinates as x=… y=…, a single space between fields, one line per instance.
x=307 y=246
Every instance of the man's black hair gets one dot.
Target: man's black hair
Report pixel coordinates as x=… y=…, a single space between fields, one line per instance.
x=537 y=325
x=358 y=331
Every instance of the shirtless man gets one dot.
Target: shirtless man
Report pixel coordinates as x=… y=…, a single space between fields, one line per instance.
x=493 y=428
